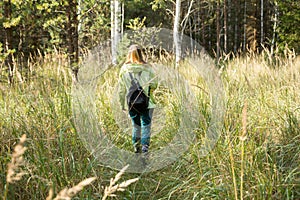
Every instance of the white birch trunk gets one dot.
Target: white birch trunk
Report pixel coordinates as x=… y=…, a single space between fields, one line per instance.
x=112 y=33
x=274 y=27
x=186 y=20
x=261 y=22
x=218 y=31
x=79 y=17
x=176 y=35
x=123 y=18
x=118 y=22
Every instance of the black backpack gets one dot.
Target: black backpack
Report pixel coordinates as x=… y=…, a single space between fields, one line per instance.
x=136 y=98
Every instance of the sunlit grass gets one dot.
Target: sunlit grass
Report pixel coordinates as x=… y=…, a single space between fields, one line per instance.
x=263 y=161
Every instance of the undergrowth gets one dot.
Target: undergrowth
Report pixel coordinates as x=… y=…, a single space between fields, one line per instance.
x=255 y=159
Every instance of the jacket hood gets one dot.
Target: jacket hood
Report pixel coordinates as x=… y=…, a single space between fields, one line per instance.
x=135 y=68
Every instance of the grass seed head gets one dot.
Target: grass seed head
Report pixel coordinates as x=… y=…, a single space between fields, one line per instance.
x=113 y=187
x=14 y=173
x=67 y=194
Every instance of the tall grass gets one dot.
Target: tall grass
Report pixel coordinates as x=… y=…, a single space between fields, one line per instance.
x=255 y=158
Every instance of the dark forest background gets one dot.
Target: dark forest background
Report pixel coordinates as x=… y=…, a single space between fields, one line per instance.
x=36 y=27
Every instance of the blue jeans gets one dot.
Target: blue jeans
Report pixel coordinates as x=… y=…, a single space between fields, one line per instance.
x=141 y=123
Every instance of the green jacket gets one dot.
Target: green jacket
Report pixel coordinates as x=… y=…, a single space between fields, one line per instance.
x=146 y=77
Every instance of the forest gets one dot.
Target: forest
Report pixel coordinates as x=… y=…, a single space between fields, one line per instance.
x=30 y=28
x=227 y=124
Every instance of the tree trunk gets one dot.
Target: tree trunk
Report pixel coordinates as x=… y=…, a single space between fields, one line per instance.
x=236 y=25
x=203 y=23
x=8 y=41
x=218 y=30
x=209 y=37
x=123 y=18
x=112 y=32
x=116 y=28
x=229 y=30
x=191 y=38
x=225 y=27
x=273 y=42
x=78 y=14
x=118 y=24
x=176 y=35
x=261 y=23
x=245 y=26
x=185 y=21
x=72 y=37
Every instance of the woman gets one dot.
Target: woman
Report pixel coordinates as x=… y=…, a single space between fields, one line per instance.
x=141 y=121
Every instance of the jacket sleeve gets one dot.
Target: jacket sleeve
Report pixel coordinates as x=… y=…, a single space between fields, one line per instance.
x=153 y=84
x=153 y=78
x=122 y=91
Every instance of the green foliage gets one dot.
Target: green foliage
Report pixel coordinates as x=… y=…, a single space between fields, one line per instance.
x=94 y=22
x=12 y=22
x=136 y=24
x=157 y=4
x=153 y=11
x=40 y=26
x=2 y=55
x=289 y=20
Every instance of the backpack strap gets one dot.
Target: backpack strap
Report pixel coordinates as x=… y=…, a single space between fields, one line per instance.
x=140 y=74
x=130 y=74
x=132 y=79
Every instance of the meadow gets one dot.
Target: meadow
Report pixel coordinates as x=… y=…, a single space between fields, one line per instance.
x=256 y=157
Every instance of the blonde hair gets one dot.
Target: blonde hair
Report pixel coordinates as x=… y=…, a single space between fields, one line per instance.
x=135 y=55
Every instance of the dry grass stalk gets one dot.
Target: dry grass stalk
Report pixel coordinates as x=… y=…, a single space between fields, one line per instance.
x=112 y=188
x=13 y=168
x=233 y=172
x=50 y=195
x=67 y=194
x=244 y=121
x=243 y=138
